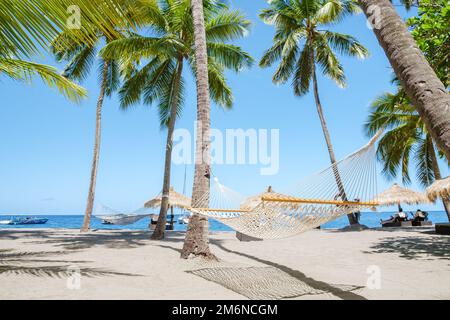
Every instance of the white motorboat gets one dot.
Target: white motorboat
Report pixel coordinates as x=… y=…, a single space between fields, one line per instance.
x=184 y=219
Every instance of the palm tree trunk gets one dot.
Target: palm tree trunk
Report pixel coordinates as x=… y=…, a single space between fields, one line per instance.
x=437 y=173
x=351 y=217
x=160 y=229
x=98 y=129
x=196 y=241
x=419 y=80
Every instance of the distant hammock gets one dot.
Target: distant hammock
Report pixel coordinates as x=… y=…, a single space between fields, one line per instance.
x=345 y=187
x=122 y=219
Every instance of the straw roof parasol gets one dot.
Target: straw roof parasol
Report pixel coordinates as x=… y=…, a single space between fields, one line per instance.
x=397 y=195
x=439 y=189
x=253 y=201
x=175 y=200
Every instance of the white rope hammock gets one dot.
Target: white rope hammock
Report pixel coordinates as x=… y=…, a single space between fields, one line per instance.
x=112 y=216
x=349 y=185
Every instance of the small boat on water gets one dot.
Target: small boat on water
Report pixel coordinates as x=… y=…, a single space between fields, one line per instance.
x=28 y=220
x=183 y=220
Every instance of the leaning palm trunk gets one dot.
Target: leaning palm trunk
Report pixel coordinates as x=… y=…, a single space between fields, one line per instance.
x=437 y=173
x=98 y=129
x=196 y=241
x=158 y=234
x=351 y=217
x=420 y=82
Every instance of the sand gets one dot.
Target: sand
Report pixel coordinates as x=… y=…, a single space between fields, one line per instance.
x=408 y=263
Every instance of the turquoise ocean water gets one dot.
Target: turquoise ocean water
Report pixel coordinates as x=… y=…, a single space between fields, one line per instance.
x=369 y=219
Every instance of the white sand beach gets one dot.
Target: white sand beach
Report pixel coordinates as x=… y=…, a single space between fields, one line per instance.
x=321 y=264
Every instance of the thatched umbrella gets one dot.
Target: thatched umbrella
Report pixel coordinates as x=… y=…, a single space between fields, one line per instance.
x=439 y=189
x=253 y=201
x=397 y=195
x=176 y=199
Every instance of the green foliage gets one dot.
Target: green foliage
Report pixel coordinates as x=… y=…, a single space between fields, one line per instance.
x=25 y=71
x=150 y=62
x=431 y=30
x=302 y=31
x=81 y=57
x=405 y=138
x=27 y=27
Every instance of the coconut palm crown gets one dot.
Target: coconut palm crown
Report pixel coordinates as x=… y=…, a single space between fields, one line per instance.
x=150 y=62
x=303 y=39
x=405 y=140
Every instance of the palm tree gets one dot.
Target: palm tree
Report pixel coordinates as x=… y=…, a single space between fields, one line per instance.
x=196 y=241
x=421 y=84
x=302 y=42
x=161 y=79
x=81 y=58
x=406 y=138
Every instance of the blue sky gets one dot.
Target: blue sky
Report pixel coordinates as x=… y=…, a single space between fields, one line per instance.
x=46 y=141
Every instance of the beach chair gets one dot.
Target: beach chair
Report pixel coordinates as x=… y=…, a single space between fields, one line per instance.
x=397 y=222
x=422 y=221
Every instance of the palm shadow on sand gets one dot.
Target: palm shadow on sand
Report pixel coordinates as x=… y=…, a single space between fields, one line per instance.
x=116 y=239
x=50 y=263
x=415 y=247
x=335 y=290
x=42 y=264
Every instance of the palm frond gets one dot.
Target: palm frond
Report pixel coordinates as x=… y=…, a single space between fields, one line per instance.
x=289 y=55
x=346 y=44
x=149 y=13
x=388 y=111
x=218 y=87
x=394 y=150
x=112 y=76
x=25 y=71
x=280 y=14
x=139 y=47
x=141 y=81
x=272 y=54
x=27 y=26
x=230 y=56
x=303 y=72
x=167 y=98
x=334 y=11
x=227 y=26
x=329 y=64
x=80 y=65
x=424 y=162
